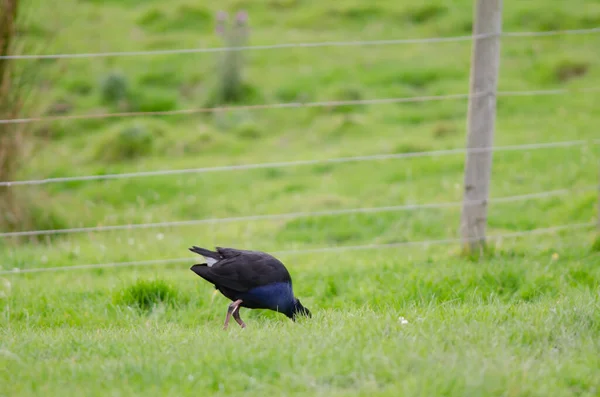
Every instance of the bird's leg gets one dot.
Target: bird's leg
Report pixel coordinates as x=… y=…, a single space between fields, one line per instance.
x=236 y=316
x=232 y=307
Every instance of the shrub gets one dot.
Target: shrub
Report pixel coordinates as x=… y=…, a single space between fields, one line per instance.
x=248 y=130
x=128 y=142
x=424 y=13
x=349 y=93
x=114 y=88
x=569 y=69
x=153 y=101
x=596 y=244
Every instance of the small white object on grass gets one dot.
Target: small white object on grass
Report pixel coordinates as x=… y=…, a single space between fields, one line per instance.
x=402 y=320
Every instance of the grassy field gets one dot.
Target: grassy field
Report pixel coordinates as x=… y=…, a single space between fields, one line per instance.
x=523 y=321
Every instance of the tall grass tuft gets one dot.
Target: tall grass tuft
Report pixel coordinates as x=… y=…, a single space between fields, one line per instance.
x=146 y=295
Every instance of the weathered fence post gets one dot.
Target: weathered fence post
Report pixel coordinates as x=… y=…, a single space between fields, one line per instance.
x=596 y=242
x=481 y=119
x=598 y=205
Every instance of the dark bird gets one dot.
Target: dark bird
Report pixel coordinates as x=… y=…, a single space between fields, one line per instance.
x=251 y=279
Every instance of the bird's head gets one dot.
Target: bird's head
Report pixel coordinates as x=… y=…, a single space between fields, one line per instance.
x=298 y=309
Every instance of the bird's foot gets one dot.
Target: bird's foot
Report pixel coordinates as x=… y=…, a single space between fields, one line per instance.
x=243 y=325
x=233 y=310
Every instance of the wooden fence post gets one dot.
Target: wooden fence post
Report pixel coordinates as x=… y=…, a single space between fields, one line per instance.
x=598 y=205
x=485 y=63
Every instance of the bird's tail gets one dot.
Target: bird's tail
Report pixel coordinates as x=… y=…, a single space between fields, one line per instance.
x=205 y=252
x=210 y=256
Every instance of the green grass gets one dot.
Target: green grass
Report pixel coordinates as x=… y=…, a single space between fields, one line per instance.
x=518 y=324
x=523 y=321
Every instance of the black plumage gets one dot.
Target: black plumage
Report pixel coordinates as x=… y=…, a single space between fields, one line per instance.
x=251 y=279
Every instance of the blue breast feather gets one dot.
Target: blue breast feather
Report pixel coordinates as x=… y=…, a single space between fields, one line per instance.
x=276 y=296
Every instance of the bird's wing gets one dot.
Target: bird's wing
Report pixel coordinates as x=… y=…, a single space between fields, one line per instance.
x=244 y=272
x=231 y=252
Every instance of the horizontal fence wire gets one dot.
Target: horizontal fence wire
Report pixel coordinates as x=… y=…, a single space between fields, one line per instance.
x=426 y=243
x=293 y=215
x=284 y=105
x=353 y=43
x=296 y=105
x=297 y=163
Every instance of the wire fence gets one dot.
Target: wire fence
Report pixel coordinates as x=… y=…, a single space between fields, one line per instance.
x=365 y=210
x=353 y=43
x=295 y=105
x=298 y=163
x=343 y=248
x=339 y=160
x=287 y=105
